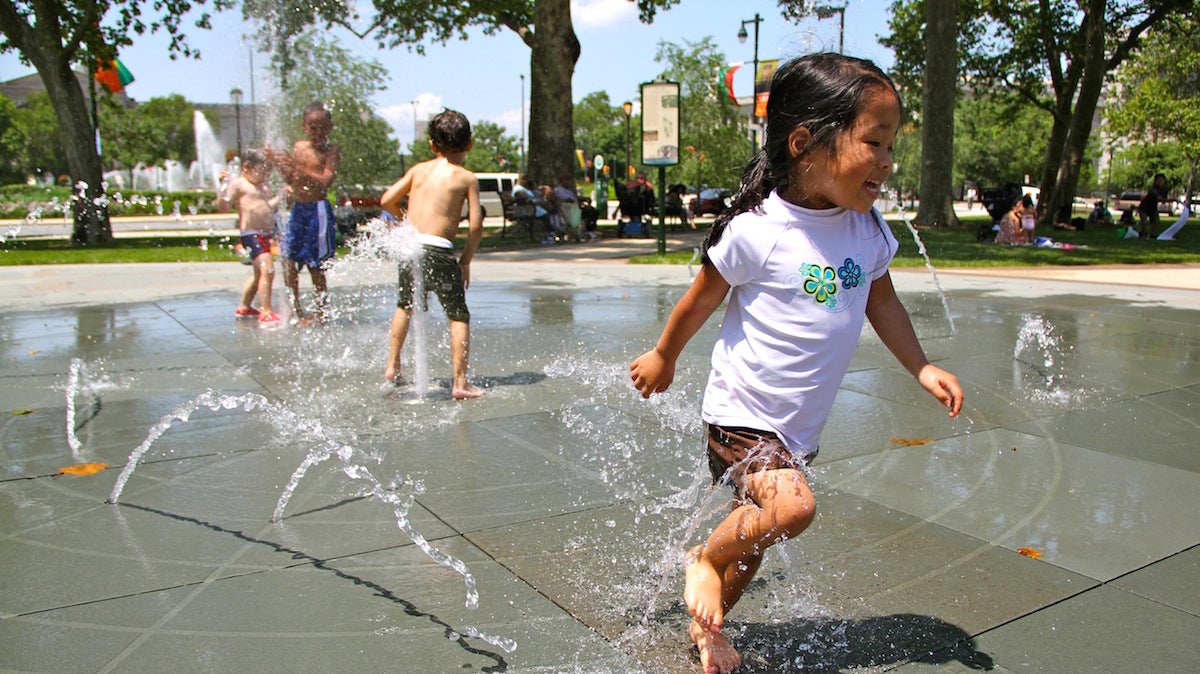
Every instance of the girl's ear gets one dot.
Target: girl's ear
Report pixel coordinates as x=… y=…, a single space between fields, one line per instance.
x=798 y=141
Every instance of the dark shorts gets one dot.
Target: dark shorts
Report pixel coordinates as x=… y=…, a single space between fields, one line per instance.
x=735 y=452
x=441 y=274
x=256 y=244
x=311 y=234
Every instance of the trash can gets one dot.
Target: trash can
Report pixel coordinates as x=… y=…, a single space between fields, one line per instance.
x=601 y=199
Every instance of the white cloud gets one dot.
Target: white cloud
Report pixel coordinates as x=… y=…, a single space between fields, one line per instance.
x=601 y=13
x=511 y=120
x=400 y=115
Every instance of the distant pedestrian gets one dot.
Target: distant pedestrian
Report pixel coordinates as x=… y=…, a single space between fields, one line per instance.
x=1148 y=206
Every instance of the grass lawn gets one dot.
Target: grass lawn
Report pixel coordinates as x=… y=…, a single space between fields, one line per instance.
x=954 y=247
x=957 y=247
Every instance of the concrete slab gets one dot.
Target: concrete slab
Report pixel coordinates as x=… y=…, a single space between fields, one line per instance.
x=565 y=498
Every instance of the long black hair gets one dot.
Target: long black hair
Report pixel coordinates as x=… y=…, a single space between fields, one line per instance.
x=821 y=92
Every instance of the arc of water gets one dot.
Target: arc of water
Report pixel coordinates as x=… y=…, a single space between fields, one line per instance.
x=321 y=453
x=928 y=265
x=72 y=388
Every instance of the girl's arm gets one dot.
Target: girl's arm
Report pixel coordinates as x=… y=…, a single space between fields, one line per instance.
x=654 y=370
x=891 y=323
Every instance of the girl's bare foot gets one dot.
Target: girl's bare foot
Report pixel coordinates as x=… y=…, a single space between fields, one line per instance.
x=464 y=391
x=702 y=591
x=717 y=655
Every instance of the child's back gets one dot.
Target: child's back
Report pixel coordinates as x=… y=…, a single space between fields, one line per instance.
x=436 y=194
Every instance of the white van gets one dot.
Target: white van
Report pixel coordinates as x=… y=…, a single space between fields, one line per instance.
x=491 y=185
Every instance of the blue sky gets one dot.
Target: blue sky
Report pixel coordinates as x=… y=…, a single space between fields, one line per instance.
x=481 y=76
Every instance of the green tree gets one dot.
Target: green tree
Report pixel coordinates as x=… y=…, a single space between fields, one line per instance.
x=33 y=136
x=600 y=127
x=1157 y=99
x=52 y=36
x=998 y=140
x=10 y=170
x=161 y=128
x=1055 y=54
x=321 y=70
x=545 y=26
x=710 y=124
x=492 y=151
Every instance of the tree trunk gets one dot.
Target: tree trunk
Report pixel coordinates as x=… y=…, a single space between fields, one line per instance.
x=76 y=133
x=937 y=106
x=1090 y=86
x=1055 y=146
x=51 y=57
x=553 y=54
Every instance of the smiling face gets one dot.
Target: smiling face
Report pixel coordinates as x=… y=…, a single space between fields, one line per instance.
x=851 y=173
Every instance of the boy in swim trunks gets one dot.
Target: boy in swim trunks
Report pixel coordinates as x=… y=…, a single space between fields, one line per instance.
x=436 y=190
x=256 y=221
x=311 y=237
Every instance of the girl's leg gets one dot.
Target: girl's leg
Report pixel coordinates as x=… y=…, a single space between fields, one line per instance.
x=718 y=572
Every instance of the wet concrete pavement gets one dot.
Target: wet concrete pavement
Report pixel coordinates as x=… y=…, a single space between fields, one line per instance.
x=1050 y=528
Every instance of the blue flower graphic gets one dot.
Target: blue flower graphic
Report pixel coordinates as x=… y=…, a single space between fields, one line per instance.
x=851 y=274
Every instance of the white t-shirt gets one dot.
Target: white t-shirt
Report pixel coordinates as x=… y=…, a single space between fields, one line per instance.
x=799 y=283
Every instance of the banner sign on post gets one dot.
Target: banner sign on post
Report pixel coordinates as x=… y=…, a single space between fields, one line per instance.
x=762 y=85
x=660 y=123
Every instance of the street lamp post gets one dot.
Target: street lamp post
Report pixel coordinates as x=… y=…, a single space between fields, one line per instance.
x=628 y=108
x=415 y=139
x=235 y=95
x=827 y=12
x=741 y=36
x=522 y=123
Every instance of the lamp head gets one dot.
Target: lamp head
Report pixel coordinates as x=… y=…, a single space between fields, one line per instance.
x=235 y=95
x=742 y=34
x=627 y=107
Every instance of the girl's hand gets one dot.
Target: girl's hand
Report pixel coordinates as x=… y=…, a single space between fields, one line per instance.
x=651 y=373
x=943 y=385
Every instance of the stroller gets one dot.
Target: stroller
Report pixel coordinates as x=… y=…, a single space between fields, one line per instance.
x=634 y=205
x=997 y=201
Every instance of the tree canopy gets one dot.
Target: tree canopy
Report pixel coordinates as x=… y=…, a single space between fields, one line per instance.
x=1055 y=54
x=1156 y=97
x=54 y=37
x=545 y=26
x=324 y=71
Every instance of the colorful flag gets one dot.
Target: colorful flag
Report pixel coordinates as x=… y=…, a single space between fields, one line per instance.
x=729 y=80
x=113 y=75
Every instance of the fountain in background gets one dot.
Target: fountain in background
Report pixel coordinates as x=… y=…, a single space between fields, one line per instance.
x=173 y=176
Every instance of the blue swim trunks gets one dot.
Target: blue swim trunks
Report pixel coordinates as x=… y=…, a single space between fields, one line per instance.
x=311 y=236
x=256 y=243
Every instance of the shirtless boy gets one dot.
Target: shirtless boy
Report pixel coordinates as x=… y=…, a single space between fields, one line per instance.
x=311 y=237
x=248 y=193
x=436 y=190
